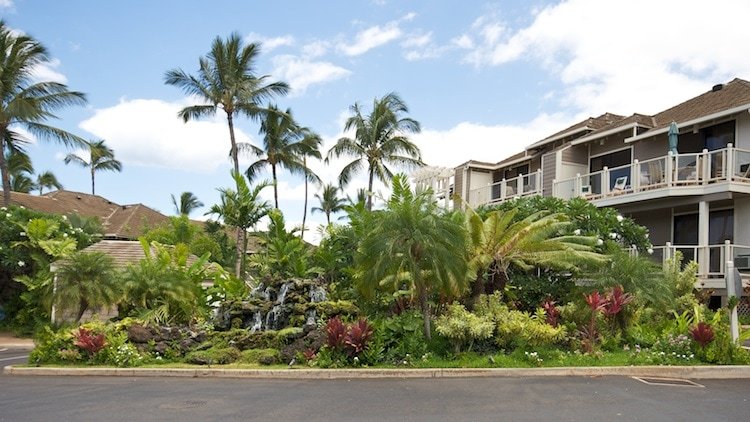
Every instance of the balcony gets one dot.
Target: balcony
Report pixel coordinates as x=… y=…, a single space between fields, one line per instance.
x=669 y=175
x=523 y=185
x=711 y=259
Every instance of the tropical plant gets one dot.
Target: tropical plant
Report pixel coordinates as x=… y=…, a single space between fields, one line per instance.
x=164 y=287
x=188 y=203
x=47 y=180
x=498 y=243
x=702 y=333
x=26 y=103
x=286 y=254
x=313 y=150
x=100 y=158
x=380 y=141
x=330 y=202
x=285 y=145
x=87 y=281
x=462 y=327
x=241 y=208
x=226 y=80
x=411 y=245
x=20 y=170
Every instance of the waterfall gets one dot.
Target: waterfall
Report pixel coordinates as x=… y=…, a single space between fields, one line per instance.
x=317 y=294
x=282 y=293
x=257 y=322
x=311 y=316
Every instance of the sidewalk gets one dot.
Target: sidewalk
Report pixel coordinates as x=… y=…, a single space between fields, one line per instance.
x=9 y=341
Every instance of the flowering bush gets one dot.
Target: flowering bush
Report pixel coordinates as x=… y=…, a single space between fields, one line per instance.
x=672 y=350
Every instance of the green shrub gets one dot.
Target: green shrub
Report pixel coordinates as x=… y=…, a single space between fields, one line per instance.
x=214 y=356
x=329 y=309
x=463 y=327
x=402 y=336
x=262 y=356
x=49 y=344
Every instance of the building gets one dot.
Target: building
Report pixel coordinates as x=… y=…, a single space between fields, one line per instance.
x=693 y=200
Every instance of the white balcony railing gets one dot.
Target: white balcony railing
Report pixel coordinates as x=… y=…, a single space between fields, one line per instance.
x=711 y=259
x=523 y=185
x=674 y=170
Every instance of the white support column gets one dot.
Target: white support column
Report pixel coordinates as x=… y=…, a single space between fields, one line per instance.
x=703 y=253
x=734 y=327
x=605 y=180
x=729 y=163
x=636 y=182
x=519 y=184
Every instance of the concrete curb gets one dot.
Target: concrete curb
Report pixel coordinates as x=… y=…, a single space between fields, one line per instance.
x=692 y=372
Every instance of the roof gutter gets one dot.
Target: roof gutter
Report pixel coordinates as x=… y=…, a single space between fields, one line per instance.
x=701 y=119
x=557 y=138
x=612 y=131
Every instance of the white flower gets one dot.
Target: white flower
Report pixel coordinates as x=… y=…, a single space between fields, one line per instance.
x=3 y=209
x=577 y=232
x=599 y=242
x=65 y=217
x=22 y=207
x=7 y=215
x=613 y=235
x=619 y=218
x=22 y=234
x=21 y=264
x=65 y=235
x=650 y=251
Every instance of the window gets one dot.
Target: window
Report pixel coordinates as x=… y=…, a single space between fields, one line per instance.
x=612 y=160
x=720 y=229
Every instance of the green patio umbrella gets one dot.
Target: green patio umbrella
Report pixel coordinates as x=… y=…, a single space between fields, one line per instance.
x=673 y=134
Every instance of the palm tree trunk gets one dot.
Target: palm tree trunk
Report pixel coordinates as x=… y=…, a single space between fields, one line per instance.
x=328 y=217
x=369 y=190
x=4 y=171
x=92 y=180
x=425 y=306
x=477 y=289
x=233 y=151
x=240 y=253
x=275 y=187
x=304 y=212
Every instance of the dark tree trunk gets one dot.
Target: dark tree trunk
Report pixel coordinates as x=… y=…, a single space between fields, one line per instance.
x=233 y=151
x=477 y=289
x=4 y=170
x=275 y=186
x=424 y=305
x=240 y=253
x=82 y=307
x=93 y=192
x=369 y=190
x=304 y=213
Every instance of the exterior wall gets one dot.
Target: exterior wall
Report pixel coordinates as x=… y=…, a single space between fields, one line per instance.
x=651 y=148
x=742 y=215
x=479 y=179
x=743 y=131
x=549 y=172
x=458 y=187
x=659 y=225
x=610 y=143
x=576 y=154
x=535 y=164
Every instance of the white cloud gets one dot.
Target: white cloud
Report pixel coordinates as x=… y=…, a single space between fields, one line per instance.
x=270 y=43
x=315 y=49
x=622 y=56
x=415 y=41
x=147 y=132
x=375 y=36
x=6 y=4
x=47 y=72
x=302 y=72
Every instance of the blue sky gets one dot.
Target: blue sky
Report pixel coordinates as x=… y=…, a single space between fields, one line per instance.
x=484 y=79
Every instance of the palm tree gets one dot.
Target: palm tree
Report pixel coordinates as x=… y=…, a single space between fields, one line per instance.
x=330 y=202
x=285 y=144
x=20 y=170
x=499 y=242
x=313 y=151
x=47 y=180
x=188 y=203
x=87 y=281
x=242 y=209
x=412 y=244
x=226 y=79
x=26 y=103
x=101 y=157
x=379 y=141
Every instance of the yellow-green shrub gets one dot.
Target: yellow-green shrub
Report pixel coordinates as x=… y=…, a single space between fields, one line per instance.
x=463 y=327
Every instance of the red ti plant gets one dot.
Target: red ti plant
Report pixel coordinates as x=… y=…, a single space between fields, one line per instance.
x=616 y=301
x=702 y=333
x=357 y=337
x=336 y=332
x=595 y=301
x=552 y=312
x=88 y=341
x=309 y=355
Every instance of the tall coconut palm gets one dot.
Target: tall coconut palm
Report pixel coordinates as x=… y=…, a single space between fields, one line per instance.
x=380 y=141
x=313 y=151
x=226 y=80
x=241 y=208
x=499 y=242
x=25 y=102
x=330 y=202
x=413 y=244
x=87 y=281
x=100 y=158
x=187 y=204
x=47 y=180
x=285 y=144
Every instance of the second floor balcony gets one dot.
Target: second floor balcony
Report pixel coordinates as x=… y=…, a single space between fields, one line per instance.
x=522 y=185
x=669 y=175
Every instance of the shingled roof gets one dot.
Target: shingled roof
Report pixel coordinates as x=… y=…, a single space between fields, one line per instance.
x=583 y=127
x=118 y=221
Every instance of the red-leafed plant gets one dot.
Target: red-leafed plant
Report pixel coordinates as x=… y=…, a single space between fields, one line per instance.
x=702 y=333
x=309 y=355
x=596 y=301
x=358 y=335
x=336 y=331
x=616 y=301
x=89 y=341
x=552 y=312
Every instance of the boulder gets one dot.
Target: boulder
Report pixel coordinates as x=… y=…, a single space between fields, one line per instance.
x=139 y=334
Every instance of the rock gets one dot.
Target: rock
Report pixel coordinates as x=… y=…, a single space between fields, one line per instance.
x=170 y=333
x=161 y=347
x=186 y=345
x=139 y=334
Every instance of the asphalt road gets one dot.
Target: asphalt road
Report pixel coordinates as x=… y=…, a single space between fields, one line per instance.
x=12 y=356
x=477 y=399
